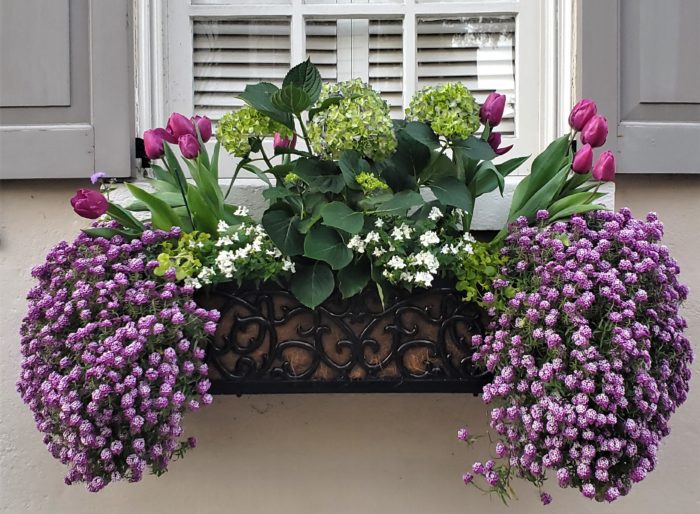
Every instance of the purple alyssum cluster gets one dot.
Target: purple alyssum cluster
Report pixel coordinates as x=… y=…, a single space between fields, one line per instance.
x=589 y=357
x=112 y=357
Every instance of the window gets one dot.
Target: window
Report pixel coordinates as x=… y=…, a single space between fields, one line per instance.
x=213 y=48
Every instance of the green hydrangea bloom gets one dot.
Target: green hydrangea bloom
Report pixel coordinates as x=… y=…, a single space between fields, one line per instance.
x=236 y=128
x=449 y=109
x=291 y=178
x=370 y=183
x=361 y=121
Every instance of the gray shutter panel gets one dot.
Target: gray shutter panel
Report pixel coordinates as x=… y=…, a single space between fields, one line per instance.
x=66 y=89
x=640 y=61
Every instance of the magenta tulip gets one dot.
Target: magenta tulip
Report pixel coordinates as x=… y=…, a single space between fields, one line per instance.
x=153 y=142
x=204 y=125
x=604 y=169
x=582 y=112
x=189 y=146
x=178 y=125
x=89 y=204
x=495 y=141
x=284 y=142
x=492 y=110
x=583 y=160
x=595 y=132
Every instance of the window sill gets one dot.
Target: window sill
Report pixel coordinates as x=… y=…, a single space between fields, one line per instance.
x=490 y=213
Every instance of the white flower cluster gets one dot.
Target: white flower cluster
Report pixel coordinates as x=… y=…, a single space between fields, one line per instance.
x=462 y=245
x=243 y=251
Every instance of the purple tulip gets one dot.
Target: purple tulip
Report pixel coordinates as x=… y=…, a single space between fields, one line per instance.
x=153 y=142
x=582 y=112
x=178 y=125
x=189 y=146
x=604 y=169
x=204 y=125
x=583 y=160
x=495 y=141
x=595 y=132
x=89 y=204
x=284 y=142
x=492 y=110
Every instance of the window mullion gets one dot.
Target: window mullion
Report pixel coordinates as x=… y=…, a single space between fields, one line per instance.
x=297 y=36
x=410 y=57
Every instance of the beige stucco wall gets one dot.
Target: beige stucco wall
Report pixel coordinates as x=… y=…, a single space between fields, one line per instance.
x=316 y=454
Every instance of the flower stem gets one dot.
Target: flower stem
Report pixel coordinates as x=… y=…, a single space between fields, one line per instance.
x=305 y=134
x=265 y=157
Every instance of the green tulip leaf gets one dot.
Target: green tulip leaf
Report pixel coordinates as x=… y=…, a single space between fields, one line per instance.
x=124 y=217
x=109 y=233
x=162 y=215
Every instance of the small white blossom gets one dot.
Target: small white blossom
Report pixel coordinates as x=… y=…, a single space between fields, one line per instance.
x=435 y=214
x=396 y=262
x=222 y=226
x=378 y=251
x=423 y=278
x=429 y=238
x=372 y=237
x=468 y=237
x=357 y=243
x=428 y=260
x=288 y=265
x=379 y=223
x=242 y=211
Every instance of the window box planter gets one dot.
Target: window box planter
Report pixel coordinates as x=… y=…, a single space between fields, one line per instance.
x=267 y=342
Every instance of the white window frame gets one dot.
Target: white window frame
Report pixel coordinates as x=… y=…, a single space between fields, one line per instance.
x=544 y=36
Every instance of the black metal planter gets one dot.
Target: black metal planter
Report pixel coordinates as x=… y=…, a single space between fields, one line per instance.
x=267 y=342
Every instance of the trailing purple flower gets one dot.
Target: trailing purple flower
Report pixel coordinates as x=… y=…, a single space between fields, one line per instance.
x=589 y=357
x=112 y=357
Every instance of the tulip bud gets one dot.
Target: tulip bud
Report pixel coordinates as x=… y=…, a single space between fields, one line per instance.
x=495 y=141
x=583 y=160
x=153 y=142
x=582 y=112
x=492 y=110
x=178 y=125
x=204 y=125
x=595 y=132
x=604 y=169
x=284 y=142
x=89 y=204
x=189 y=146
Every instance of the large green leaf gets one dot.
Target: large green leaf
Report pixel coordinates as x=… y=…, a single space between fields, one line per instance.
x=204 y=217
x=542 y=197
x=402 y=169
x=163 y=175
x=124 y=217
x=162 y=186
x=548 y=163
x=312 y=284
x=519 y=196
x=578 y=209
x=283 y=228
x=351 y=163
x=487 y=178
x=272 y=194
x=320 y=175
x=214 y=166
x=450 y=191
x=291 y=99
x=439 y=166
x=259 y=96
x=509 y=166
x=109 y=233
x=174 y=168
x=399 y=203
x=306 y=77
x=422 y=133
x=475 y=148
x=326 y=244
x=162 y=215
x=339 y=215
x=353 y=278
x=573 y=200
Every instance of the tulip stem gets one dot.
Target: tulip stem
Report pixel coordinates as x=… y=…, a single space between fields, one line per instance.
x=184 y=196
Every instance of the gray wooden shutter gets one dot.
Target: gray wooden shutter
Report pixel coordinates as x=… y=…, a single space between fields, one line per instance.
x=640 y=61
x=66 y=88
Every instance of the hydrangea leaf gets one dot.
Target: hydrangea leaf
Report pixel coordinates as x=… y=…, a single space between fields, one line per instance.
x=399 y=203
x=351 y=163
x=450 y=191
x=311 y=285
x=306 y=77
x=475 y=148
x=291 y=99
x=422 y=133
x=283 y=228
x=259 y=96
x=339 y=215
x=326 y=244
x=353 y=278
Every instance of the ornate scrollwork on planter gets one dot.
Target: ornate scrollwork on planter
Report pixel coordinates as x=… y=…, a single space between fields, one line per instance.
x=267 y=342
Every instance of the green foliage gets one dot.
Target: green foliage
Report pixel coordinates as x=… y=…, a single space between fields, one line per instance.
x=186 y=256
x=237 y=132
x=476 y=269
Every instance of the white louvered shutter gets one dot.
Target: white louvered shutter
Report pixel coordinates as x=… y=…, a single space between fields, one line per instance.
x=477 y=51
x=229 y=54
